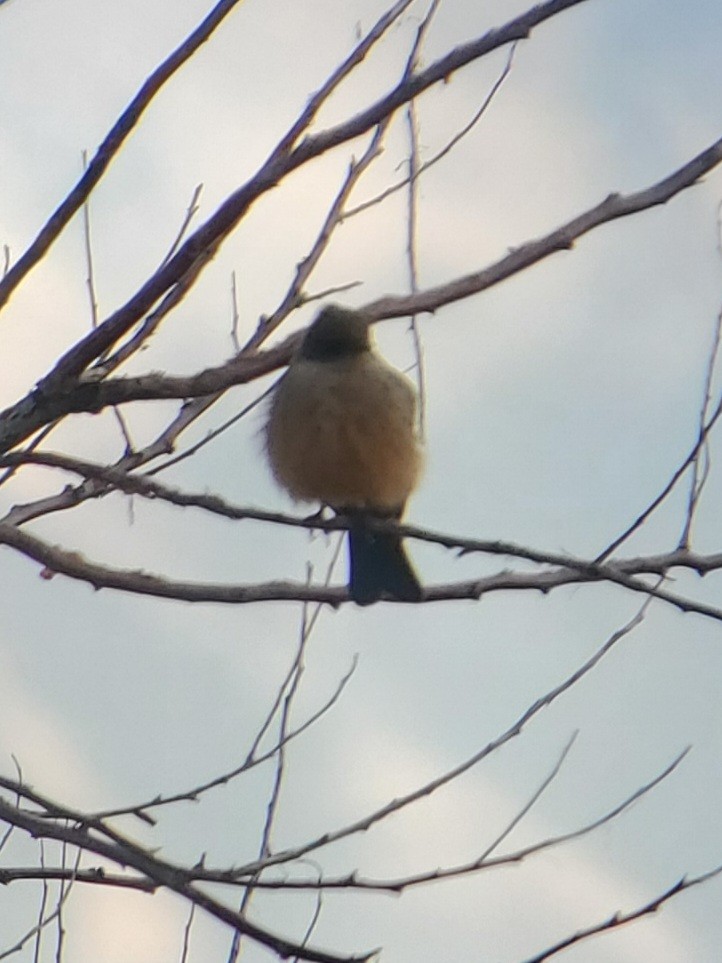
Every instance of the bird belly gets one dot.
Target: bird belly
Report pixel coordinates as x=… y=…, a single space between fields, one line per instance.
x=347 y=441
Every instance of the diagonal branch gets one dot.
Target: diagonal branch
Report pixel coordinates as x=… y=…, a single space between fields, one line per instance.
x=113 y=142
x=254 y=758
x=446 y=149
x=78 y=832
x=283 y=160
x=622 y=919
x=207 y=239
x=518 y=259
x=483 y=862
x=514 y=730
x=55 y=398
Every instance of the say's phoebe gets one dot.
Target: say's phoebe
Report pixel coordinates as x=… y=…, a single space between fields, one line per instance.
x=342 y=431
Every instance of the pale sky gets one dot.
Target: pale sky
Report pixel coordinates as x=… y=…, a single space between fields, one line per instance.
x=558 y=405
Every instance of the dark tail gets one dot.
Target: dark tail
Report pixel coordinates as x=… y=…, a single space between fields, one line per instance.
x=379 y=566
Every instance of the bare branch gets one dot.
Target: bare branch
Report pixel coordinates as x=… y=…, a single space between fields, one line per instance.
x=191 y=211
x=77 y=830
x=114 y=140
x=700 y=472
x=656 y=502
x=294 y=297
x=44 y=920
x=98 y=876
x=254 y=757
x=282 y=706
x=447 y=148
x=570 y=571
x=187 y=934
x=41 y=909
x=483 y=862
x=412 y=213
x=612 y=208
x=90 y=278
x=531 y=802
x=235 y=316
x=203 y=244
x=55 y=397
x=426 y=790
x=621 y=919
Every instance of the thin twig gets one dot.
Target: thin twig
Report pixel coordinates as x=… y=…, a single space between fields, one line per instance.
x=357 y=882
x=254 y=757
x=452 y=774
x=203 y=244
x=287 y=695
x=531 y=802
x=412 y=210
x=191 y=211
x=187 y=934
x=43 y=922
x=90 y=277
x=235 y=318
x=75 y=828
x=446 y=149
x=93 y=297
x=313 y=922
x=700 y=474
x=295 y=296
x=656 y=502
x=41 y=909
x=64 y=884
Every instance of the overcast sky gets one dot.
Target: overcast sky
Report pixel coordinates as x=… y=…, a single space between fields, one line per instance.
x=558 y=404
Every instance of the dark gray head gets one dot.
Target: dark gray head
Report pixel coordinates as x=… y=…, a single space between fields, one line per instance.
x=336 y=333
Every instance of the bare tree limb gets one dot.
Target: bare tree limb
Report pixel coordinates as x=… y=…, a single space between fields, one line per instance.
x=112 y=144
x=56 y=397
x=568 y=570
x=622 y=919
x=282 y=708
x=254 y=758
x=43 y=921
x=120 y=850
x=206 y=240
x=450 y=775
x=656 y=502
x=518 y=259
x=483 y=862
x=702 y=462
x=446 y=149
x=295 y=296
x=97 y=876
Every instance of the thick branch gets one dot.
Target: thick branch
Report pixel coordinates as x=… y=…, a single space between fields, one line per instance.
x=54 y=400
x=282 y=161
x=575 y=571
x=124 y=852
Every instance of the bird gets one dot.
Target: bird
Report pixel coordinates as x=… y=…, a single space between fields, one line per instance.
x=341 y=431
